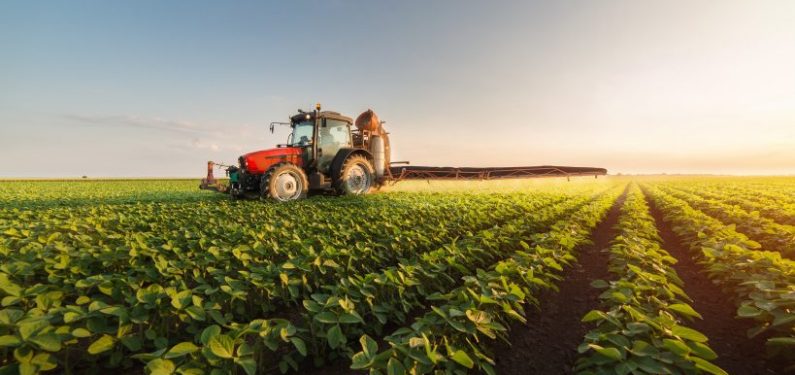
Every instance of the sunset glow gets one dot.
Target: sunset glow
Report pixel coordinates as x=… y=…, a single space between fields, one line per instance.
x=158 y=89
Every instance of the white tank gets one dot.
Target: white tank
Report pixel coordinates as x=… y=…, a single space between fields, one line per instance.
x=379 y=155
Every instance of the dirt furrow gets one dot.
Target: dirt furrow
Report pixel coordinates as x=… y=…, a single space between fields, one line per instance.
x=548 y=343
x=737 y=354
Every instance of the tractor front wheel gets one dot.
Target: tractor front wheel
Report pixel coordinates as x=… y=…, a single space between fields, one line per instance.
x=357 y=176
x=284 y=182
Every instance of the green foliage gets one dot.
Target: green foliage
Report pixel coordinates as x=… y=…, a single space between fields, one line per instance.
x=640 y=328
x=457 y=333
x=762 y=282
x=155 y=275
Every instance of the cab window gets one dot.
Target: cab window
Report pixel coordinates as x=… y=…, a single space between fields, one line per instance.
x=331 y=138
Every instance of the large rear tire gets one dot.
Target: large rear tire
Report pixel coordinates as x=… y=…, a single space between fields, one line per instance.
x=357 y=176
x=284 y=182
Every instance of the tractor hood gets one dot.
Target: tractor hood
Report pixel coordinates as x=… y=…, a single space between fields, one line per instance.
x=259 y=162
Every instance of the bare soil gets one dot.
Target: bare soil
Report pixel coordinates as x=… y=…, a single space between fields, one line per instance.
x=548 y=343
x=737 y=354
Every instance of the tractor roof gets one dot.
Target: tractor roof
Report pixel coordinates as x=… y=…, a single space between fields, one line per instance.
x=323 y=114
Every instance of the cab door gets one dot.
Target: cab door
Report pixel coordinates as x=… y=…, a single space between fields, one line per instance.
x=332 y=136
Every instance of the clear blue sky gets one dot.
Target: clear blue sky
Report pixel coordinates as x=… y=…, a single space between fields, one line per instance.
x=156 y=88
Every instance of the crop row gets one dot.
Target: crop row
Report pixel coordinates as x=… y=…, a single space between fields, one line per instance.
x=640 y=328
x=82 y=286
x=773 y=208
x=154 y=243
x=47 y=194
x=365 y=304
x=111 y=295
x=457 y=333
x=771 y=235
x=761 y=282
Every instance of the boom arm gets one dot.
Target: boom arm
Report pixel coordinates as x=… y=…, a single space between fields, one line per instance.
x=489 y=173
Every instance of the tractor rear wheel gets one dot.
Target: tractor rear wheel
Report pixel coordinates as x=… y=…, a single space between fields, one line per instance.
x=357 y=176
x=284 y=182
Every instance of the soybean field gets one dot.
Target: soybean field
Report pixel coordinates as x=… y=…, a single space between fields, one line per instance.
x=616 y=275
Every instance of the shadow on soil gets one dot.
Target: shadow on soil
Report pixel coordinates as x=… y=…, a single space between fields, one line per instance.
x=548 y=343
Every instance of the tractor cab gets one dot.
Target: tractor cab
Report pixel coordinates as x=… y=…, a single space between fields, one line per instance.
x=322 y=153
x=320 y=136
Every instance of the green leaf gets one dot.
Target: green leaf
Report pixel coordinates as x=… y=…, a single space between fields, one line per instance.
x=28 y=369
x=160 y=366
x=781 y=341
x=181 y=299
x=132 y=342
x=394 y=367
x=335 y=337
x=48 y=341
x=209 y=333
x=676 y=346
x=102 y=344
x=619 y=297
x=81 y=333
x=299 y=344
x=196 y=313
x=685 y=309
x=477 y=316
x=312 y=306
x=462 y=358
x=708 y=367
x=181 y=349
x=248 y=365
x=688 y=333
x=360 y=361
x=748 y=311
x=70 y=317
x=149 y=356
x=82 y=300
x=45 y=361
x=222 y=345
x=593 y=315
x=600 y=284
x=326 y=317
x=350 y=318
x=29 y=328
x=611 y=353
x=245 y=350
x=702 y=350
x=369 y=346
x=783 y=320
x=9 y=341
x=416 y=342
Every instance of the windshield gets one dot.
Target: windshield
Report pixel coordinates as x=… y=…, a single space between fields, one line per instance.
x=302 y=133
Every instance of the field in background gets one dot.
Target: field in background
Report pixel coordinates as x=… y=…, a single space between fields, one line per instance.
x=657 y=275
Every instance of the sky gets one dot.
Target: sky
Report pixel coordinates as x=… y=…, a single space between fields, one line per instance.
x=156 y=88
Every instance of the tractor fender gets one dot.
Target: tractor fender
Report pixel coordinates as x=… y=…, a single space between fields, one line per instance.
x=339 y=160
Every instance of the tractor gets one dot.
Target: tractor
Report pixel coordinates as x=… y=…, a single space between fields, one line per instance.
x=323 y=153
x=327 y=152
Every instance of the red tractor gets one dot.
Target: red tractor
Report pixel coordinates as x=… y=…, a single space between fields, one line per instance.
x=324 y=153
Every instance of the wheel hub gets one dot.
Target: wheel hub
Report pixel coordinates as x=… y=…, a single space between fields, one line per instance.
x=288 y=186
x=358 y=179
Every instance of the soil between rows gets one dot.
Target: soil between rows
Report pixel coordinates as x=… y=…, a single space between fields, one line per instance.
x=547 y=344
x=737 y=354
